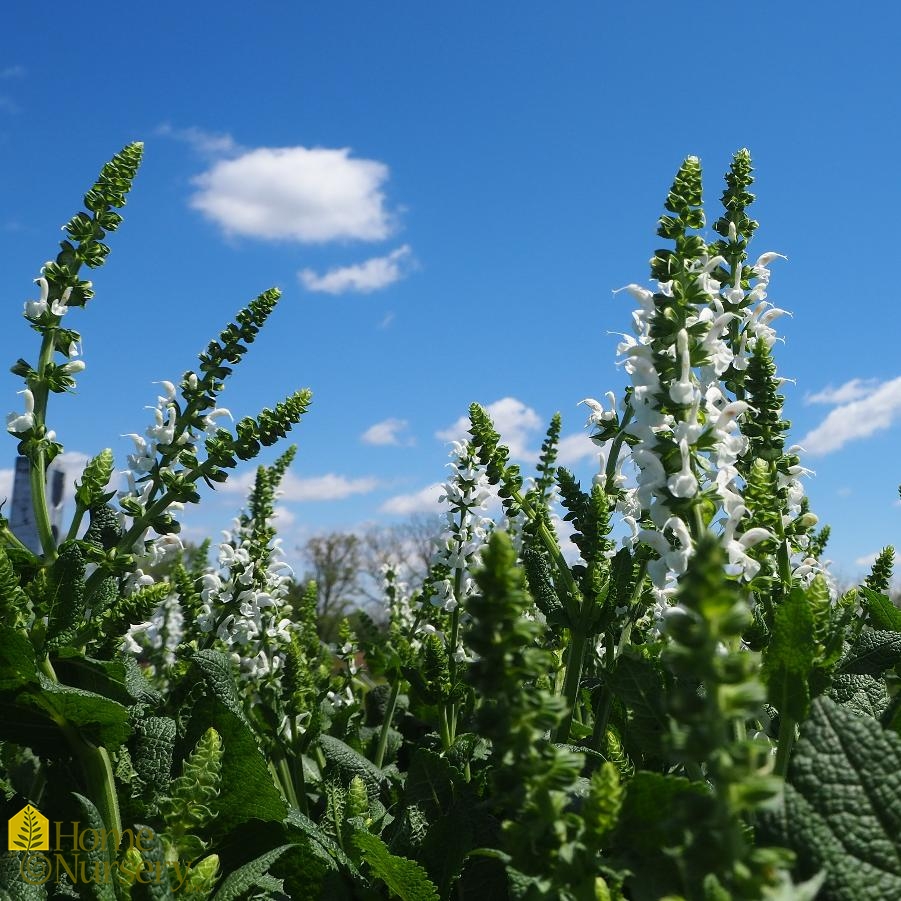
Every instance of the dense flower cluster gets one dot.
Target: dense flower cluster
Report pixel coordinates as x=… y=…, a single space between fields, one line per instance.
x=466 y=493
x=245 y=608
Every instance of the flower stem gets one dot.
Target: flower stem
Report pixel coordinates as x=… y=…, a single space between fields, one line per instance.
x=386 y=724
x=574 y=662
x=38 y=472
x=786 y=741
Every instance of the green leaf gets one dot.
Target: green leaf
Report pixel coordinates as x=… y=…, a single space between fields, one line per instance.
x=320 y=844
x=788 y=659
x=155 y=742
x=430 y=781
x=404 y=877
x=98 y=855
x=860 y=694
x=874 y=652
x=352 y=763
x=842 y=808
x=12 y=886
x=247 y=789
x=104 y=720
x=17 y=660
x=158 y=887
x=638 y=683
x=883 y=613
x=251 y=874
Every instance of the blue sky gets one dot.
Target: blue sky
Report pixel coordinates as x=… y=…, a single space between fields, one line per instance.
x=448 y=196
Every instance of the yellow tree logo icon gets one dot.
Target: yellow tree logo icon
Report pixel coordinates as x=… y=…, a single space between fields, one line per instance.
x=29 y=831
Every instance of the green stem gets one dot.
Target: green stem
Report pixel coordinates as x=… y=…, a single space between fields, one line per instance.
x=386 y=724
x=444 y=727
x=606 y=699
x=38 y=471
x=75 y=525
x=786 y=741
x=95 y=765
x=8 y=538
x=574 y=662
x=615 y=447
x=285 y=780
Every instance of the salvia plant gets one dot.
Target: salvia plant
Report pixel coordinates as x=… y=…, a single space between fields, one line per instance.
x=678 y=704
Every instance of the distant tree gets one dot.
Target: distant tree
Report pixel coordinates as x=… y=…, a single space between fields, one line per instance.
x=335 y=562
x=347 y=566
x=409 y=544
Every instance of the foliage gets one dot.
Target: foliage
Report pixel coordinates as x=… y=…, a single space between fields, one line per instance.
x=679 y=706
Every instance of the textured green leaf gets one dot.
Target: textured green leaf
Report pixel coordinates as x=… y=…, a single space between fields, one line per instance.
x=638 y=683
x=351 y=763
x=860 y=694
x=157 y=887
x=12 y=886
x=842 y=809
x=404 y=877
x=247 y=789
x=102 y=719
x=251 y=874
x=874 y=652
x=154 y=745
x=99 y=855
x=220 y=679
x=430 y=781
x=789 y=657
x=450 y=838
x=883 y=613
x=17 y=662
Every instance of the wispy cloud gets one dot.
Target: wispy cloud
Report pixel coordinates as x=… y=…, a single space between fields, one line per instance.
x=573 y=448
x=865 y=407
x=423 y=501
x=309 y=195
x=514 y=421
x=329 y=487
x=361 y=278
x=867 y=560
x=387 y=432
x=844 y=394
x=12 y=72
x=206 y=143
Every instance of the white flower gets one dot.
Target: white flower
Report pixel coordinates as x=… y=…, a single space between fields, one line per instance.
x=684 y=483
x=17 y=423
x=683 y=390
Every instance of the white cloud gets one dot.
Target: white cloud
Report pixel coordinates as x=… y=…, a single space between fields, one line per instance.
x=513 y=420
x=360 y=278
x=387 y=432
x=283 y=518
x=576 y=447
x=329 y=487
x=867 y=560
x=6 y=488
x=844 y=394
x=423 y=501
x=12 y=72
x=301 y=194
x=207 y=143
x=871 y=412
